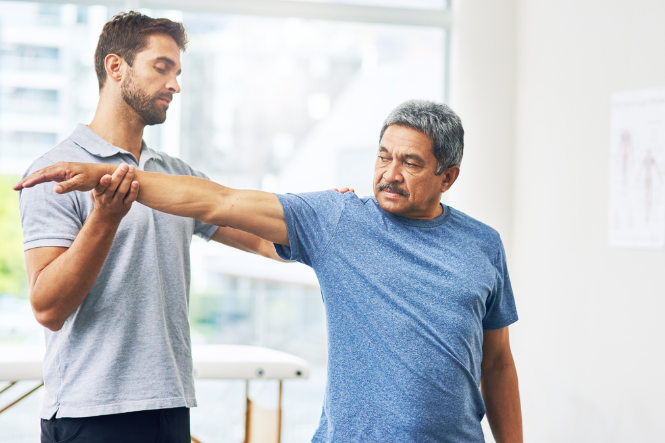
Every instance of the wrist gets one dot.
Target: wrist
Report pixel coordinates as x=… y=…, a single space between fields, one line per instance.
x=105 y=221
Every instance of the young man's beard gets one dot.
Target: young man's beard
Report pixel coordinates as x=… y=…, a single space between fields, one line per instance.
x=146 y=106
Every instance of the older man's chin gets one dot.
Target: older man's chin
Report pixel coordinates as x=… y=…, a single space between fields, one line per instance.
x=393 y=203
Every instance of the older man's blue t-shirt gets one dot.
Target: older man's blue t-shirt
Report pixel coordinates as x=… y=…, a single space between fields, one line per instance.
x=406 y=304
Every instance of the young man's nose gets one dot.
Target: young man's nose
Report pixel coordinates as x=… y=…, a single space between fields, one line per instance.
x=173 y=86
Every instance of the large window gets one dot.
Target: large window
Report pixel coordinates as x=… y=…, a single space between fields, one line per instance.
x=282 y=104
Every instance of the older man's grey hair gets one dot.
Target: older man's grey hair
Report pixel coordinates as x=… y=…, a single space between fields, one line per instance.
x=439 y=123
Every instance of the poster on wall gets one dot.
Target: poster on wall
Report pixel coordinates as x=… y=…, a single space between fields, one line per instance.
x=637 y=169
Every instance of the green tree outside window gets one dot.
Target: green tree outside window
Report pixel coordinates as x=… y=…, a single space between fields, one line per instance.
x=13 y=279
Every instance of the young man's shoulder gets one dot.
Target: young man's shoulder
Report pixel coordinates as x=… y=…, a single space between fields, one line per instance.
x=174 y=165
x=66 y=151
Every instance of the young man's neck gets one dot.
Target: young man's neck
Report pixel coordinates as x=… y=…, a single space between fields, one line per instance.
x=117 y=123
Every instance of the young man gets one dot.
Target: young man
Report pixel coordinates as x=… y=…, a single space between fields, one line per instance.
x=417 y=294
x=110 y=280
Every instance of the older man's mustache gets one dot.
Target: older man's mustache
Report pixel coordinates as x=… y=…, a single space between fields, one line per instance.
x=393 y=188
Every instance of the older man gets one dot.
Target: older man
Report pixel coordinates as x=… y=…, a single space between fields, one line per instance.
x=417 y=294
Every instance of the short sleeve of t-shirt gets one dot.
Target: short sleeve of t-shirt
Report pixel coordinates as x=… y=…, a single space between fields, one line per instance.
x=47 y=218
x=311 y=220
x=500 y=306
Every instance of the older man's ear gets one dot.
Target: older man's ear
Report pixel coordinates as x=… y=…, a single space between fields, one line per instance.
x=449 y=177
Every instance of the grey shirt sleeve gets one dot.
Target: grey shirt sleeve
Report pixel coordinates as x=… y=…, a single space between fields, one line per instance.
x=47 y=218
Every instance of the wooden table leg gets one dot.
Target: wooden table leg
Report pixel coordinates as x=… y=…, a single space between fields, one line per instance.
x=248 y=412
x=279 y=415
x=12 y=404
x=11 y=383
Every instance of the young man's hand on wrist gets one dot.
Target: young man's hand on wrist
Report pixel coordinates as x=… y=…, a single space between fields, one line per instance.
x=114 y=194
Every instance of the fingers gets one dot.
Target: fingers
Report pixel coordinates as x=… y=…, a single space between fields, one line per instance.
x=343 y=190
x=116 y=179
x=119 y=187
x=103 y=184
x=18 y=186
x=133 y=193
x=125 y=183
x=66 y=186
x=56 y=172
x=74 y=176
x=114 y=194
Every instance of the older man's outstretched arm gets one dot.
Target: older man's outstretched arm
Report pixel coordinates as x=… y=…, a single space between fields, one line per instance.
x=256 y=212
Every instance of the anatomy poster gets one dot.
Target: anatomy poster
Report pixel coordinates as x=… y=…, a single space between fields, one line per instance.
x=637 y=169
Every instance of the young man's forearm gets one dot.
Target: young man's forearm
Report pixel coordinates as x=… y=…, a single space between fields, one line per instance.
x=61 y=286
x=502 y=400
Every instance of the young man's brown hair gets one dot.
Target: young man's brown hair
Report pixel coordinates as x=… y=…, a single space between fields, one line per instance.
x=126 y=34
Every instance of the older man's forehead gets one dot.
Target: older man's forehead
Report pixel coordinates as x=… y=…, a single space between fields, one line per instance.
x=402 y=151
x=406 y=142
x=405 y=135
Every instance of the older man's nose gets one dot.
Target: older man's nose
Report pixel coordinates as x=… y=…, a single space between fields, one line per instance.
x=393 y=173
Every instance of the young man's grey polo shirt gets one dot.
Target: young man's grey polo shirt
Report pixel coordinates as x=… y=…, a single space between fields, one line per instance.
x=127 y=347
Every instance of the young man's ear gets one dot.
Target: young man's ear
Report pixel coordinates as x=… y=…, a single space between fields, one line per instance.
x=448 y=177
x=114 y=64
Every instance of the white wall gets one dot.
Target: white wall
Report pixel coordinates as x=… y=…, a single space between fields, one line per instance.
x=589 y=344
x=482 y=92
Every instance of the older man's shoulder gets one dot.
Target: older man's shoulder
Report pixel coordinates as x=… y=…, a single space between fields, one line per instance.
x=473 y=226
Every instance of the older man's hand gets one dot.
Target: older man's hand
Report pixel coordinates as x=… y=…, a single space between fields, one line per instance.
x=70 y=176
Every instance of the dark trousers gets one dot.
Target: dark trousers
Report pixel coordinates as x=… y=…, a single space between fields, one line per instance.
x=158 y=426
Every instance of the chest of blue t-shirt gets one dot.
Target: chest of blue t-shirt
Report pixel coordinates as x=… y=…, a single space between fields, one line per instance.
x=406 y=304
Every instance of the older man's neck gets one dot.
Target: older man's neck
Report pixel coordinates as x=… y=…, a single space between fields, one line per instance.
x=117 y=123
